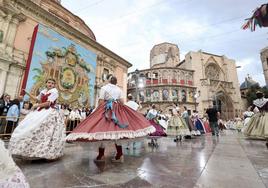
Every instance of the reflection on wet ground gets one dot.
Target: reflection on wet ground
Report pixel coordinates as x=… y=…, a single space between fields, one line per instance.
x=191 y=163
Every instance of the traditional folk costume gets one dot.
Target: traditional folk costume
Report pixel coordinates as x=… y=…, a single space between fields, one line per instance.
x=231 y=125
x=247 y=116
x=222 y=126
x=151 y=116
x=257 y=127
x=111 y=121
x=159 y=131
x=10 y=174
x=206 y=125
x=189 y=123
x=238 y=124
x=162 y=120
x=177 y=126
x=199 y=124
x=41 y=134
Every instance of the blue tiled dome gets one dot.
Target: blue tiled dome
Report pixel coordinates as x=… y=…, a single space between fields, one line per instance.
x=248 y=83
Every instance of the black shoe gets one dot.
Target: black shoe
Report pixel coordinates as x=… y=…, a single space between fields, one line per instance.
x=187 y=137
x=267 y=145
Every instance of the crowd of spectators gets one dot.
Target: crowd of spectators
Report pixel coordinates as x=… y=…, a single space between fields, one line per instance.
x=13 y=111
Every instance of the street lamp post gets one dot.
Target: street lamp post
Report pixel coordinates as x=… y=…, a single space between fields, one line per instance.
x=196 y=95
x=137 y=72
x=216 y=101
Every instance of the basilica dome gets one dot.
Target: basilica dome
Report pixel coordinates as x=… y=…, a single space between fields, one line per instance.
x=248 y=83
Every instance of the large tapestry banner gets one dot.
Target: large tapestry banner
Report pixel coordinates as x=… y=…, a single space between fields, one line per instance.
x=71 y=65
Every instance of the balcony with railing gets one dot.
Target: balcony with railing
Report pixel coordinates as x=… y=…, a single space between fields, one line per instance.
x=162 y=82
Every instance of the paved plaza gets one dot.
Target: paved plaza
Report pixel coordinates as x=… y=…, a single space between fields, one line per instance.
x=227 y=161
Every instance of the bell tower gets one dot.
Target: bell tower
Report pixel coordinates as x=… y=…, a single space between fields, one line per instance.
x=264 y=60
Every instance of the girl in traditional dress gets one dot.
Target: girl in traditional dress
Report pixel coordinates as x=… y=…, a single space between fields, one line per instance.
x=152 y=116
x=177 y=126
x=222 y=126
x=162 y=120
x=189 y=123
x=257 y=126
x=198 y=123
x=112 y=120
x=10 y=174
x=247 y=115
x=238 y=123
x=206 y=125
x=41 y=134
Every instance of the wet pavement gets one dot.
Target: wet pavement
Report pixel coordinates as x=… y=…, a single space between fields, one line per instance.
x=226 y=161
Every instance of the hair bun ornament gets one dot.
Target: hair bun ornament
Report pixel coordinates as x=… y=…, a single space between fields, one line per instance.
x=109 y=76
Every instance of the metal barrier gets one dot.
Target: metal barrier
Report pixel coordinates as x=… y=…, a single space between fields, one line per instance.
x=71 y=124
x=7 y=127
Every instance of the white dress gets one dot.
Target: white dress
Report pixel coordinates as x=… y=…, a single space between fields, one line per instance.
x=247 y=115
x=41 y=134
x=10 y=174
x=133 y=105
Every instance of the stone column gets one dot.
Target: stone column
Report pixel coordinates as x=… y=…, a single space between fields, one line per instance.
x=170 y=98
x=3 y=77
x=160 y=94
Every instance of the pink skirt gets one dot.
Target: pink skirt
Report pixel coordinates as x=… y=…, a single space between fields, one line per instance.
x=100 y=126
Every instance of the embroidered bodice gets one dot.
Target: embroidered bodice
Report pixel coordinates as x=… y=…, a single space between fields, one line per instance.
x=248 y=114
x=44 y=98
x=151 y=114
x=261 y=104
x=48 y=95
x=110 y=92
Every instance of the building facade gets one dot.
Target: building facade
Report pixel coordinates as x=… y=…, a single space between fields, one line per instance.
x=163 y=84
x=18 y=20
x=216 y=79
x=197 y=81
x=264 y=60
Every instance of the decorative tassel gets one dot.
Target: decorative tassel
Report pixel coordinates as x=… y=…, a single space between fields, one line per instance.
x=109 y=107
x=259 y=18
x=246 y=25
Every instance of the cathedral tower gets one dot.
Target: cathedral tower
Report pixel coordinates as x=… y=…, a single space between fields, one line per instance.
x=164 y=55
x=264 y=60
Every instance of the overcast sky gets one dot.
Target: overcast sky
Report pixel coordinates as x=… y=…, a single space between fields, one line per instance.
x=130 y=28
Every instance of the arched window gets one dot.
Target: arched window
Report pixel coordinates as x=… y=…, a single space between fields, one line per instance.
x=141 y=96
x=148 y=95
x=165 y=95
x=212 y=72
x=155 y=95
x=183 y=96
x=175 y=95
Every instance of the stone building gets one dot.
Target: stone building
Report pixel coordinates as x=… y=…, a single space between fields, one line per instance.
x=244 y=87
x=164 y=83
x=216 y=79
x=247 y=84
x=195 y=82
x=18 y=20
x=264 y=60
